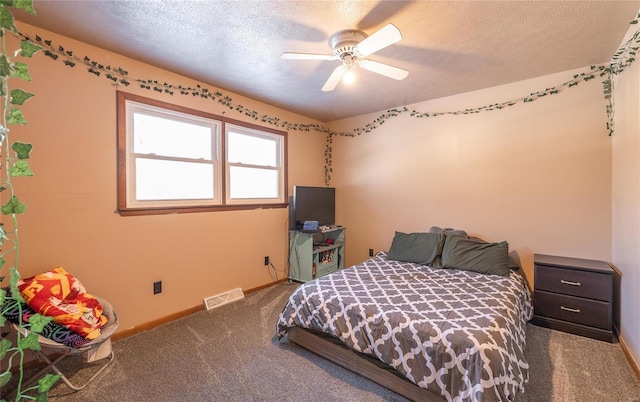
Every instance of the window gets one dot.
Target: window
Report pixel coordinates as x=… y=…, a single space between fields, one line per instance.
x=174 y=159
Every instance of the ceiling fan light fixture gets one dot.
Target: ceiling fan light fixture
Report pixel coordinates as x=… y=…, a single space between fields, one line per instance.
x=349 y=64
x=349 y=77
x=349 y=61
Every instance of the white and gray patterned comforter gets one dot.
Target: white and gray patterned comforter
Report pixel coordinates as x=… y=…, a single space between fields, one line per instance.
x=460 y=334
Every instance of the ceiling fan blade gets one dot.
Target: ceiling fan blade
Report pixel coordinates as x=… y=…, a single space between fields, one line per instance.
x=334 y=79
x=380 y=39
x=383 y=69
x=308 y=56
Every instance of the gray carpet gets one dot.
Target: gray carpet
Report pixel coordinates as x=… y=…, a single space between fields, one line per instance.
x=231 y=354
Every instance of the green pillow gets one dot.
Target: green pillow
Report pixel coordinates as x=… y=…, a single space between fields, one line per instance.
x=437 y=262
x=420 y=248
x=475 y=255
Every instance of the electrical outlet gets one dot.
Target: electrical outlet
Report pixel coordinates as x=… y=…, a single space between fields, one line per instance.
x=370 y=252
x=266 y=260
x=157 y=287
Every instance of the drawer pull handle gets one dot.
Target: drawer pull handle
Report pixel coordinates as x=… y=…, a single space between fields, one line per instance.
x=570 y=282
x=572 y=310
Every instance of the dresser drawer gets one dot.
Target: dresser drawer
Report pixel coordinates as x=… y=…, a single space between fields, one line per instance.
x=592 y=313
x=589 y=284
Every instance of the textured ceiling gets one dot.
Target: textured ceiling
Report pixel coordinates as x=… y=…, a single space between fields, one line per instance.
x=448 y=47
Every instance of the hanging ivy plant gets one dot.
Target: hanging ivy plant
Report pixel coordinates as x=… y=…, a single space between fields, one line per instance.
x=15 y=162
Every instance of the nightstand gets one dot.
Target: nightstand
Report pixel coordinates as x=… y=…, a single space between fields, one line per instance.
x=574 y=295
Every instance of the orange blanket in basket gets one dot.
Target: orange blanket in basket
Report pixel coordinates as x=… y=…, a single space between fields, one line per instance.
x=58 y=294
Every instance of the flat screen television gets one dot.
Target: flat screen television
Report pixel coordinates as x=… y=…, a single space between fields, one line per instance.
x=314 y=204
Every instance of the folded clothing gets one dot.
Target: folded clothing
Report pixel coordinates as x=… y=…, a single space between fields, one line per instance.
x=60 y=295
x=11 y=309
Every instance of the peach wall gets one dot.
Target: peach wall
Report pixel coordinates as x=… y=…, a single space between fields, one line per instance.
x=625 y=242
x=71 y=219
x=537 y=175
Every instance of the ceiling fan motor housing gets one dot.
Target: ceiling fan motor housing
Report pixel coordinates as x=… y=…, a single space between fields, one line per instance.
x=344 y=42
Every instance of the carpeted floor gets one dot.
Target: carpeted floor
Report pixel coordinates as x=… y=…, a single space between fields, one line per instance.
x=231 y=354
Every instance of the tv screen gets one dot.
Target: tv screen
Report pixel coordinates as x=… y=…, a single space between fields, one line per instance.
x=314 y=204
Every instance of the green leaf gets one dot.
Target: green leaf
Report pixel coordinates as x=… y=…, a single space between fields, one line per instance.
x=47 y=382
x=38 y=322
x=13 y=206
x=22 y=149
x=7 y=2
x=15 y=117
x=6 y=19
x=4 y=378
x=26 y=5
x=28 y=48
x=29 y=342
x=20 y=168
x=2 y=320
x=5 y=345
x=21 y=70
x=2 y=260
x=19 y=97
x=5 y=66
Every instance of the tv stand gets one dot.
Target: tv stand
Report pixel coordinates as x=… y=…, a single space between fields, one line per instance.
x=309 y=260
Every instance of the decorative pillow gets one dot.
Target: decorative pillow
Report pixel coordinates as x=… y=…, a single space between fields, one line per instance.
x=478 y=256
x=420 y=248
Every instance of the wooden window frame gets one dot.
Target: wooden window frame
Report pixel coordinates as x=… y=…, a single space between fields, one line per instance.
x=123 y=184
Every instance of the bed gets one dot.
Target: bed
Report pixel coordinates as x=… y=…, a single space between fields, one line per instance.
x=428 y=333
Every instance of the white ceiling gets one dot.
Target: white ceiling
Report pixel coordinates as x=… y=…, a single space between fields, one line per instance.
x=448 y=47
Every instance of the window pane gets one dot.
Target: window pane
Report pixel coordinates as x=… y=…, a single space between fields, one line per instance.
x=166 y=137
x=170 y=180
x=253 y=183
x=253 y=150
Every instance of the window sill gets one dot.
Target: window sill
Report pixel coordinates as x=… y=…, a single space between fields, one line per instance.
x=193 y=209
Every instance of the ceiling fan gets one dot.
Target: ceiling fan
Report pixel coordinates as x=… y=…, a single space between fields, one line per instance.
x=351 y=46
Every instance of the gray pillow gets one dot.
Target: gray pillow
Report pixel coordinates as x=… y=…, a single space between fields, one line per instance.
x=478 y=256
x=437 y=262
x=420 y=248
x=448 y=231
x=514 y=259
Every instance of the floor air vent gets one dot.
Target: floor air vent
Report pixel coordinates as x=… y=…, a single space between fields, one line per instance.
x=212 y=302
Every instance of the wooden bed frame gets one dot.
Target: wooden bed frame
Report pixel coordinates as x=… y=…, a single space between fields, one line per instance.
x=349 y=359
